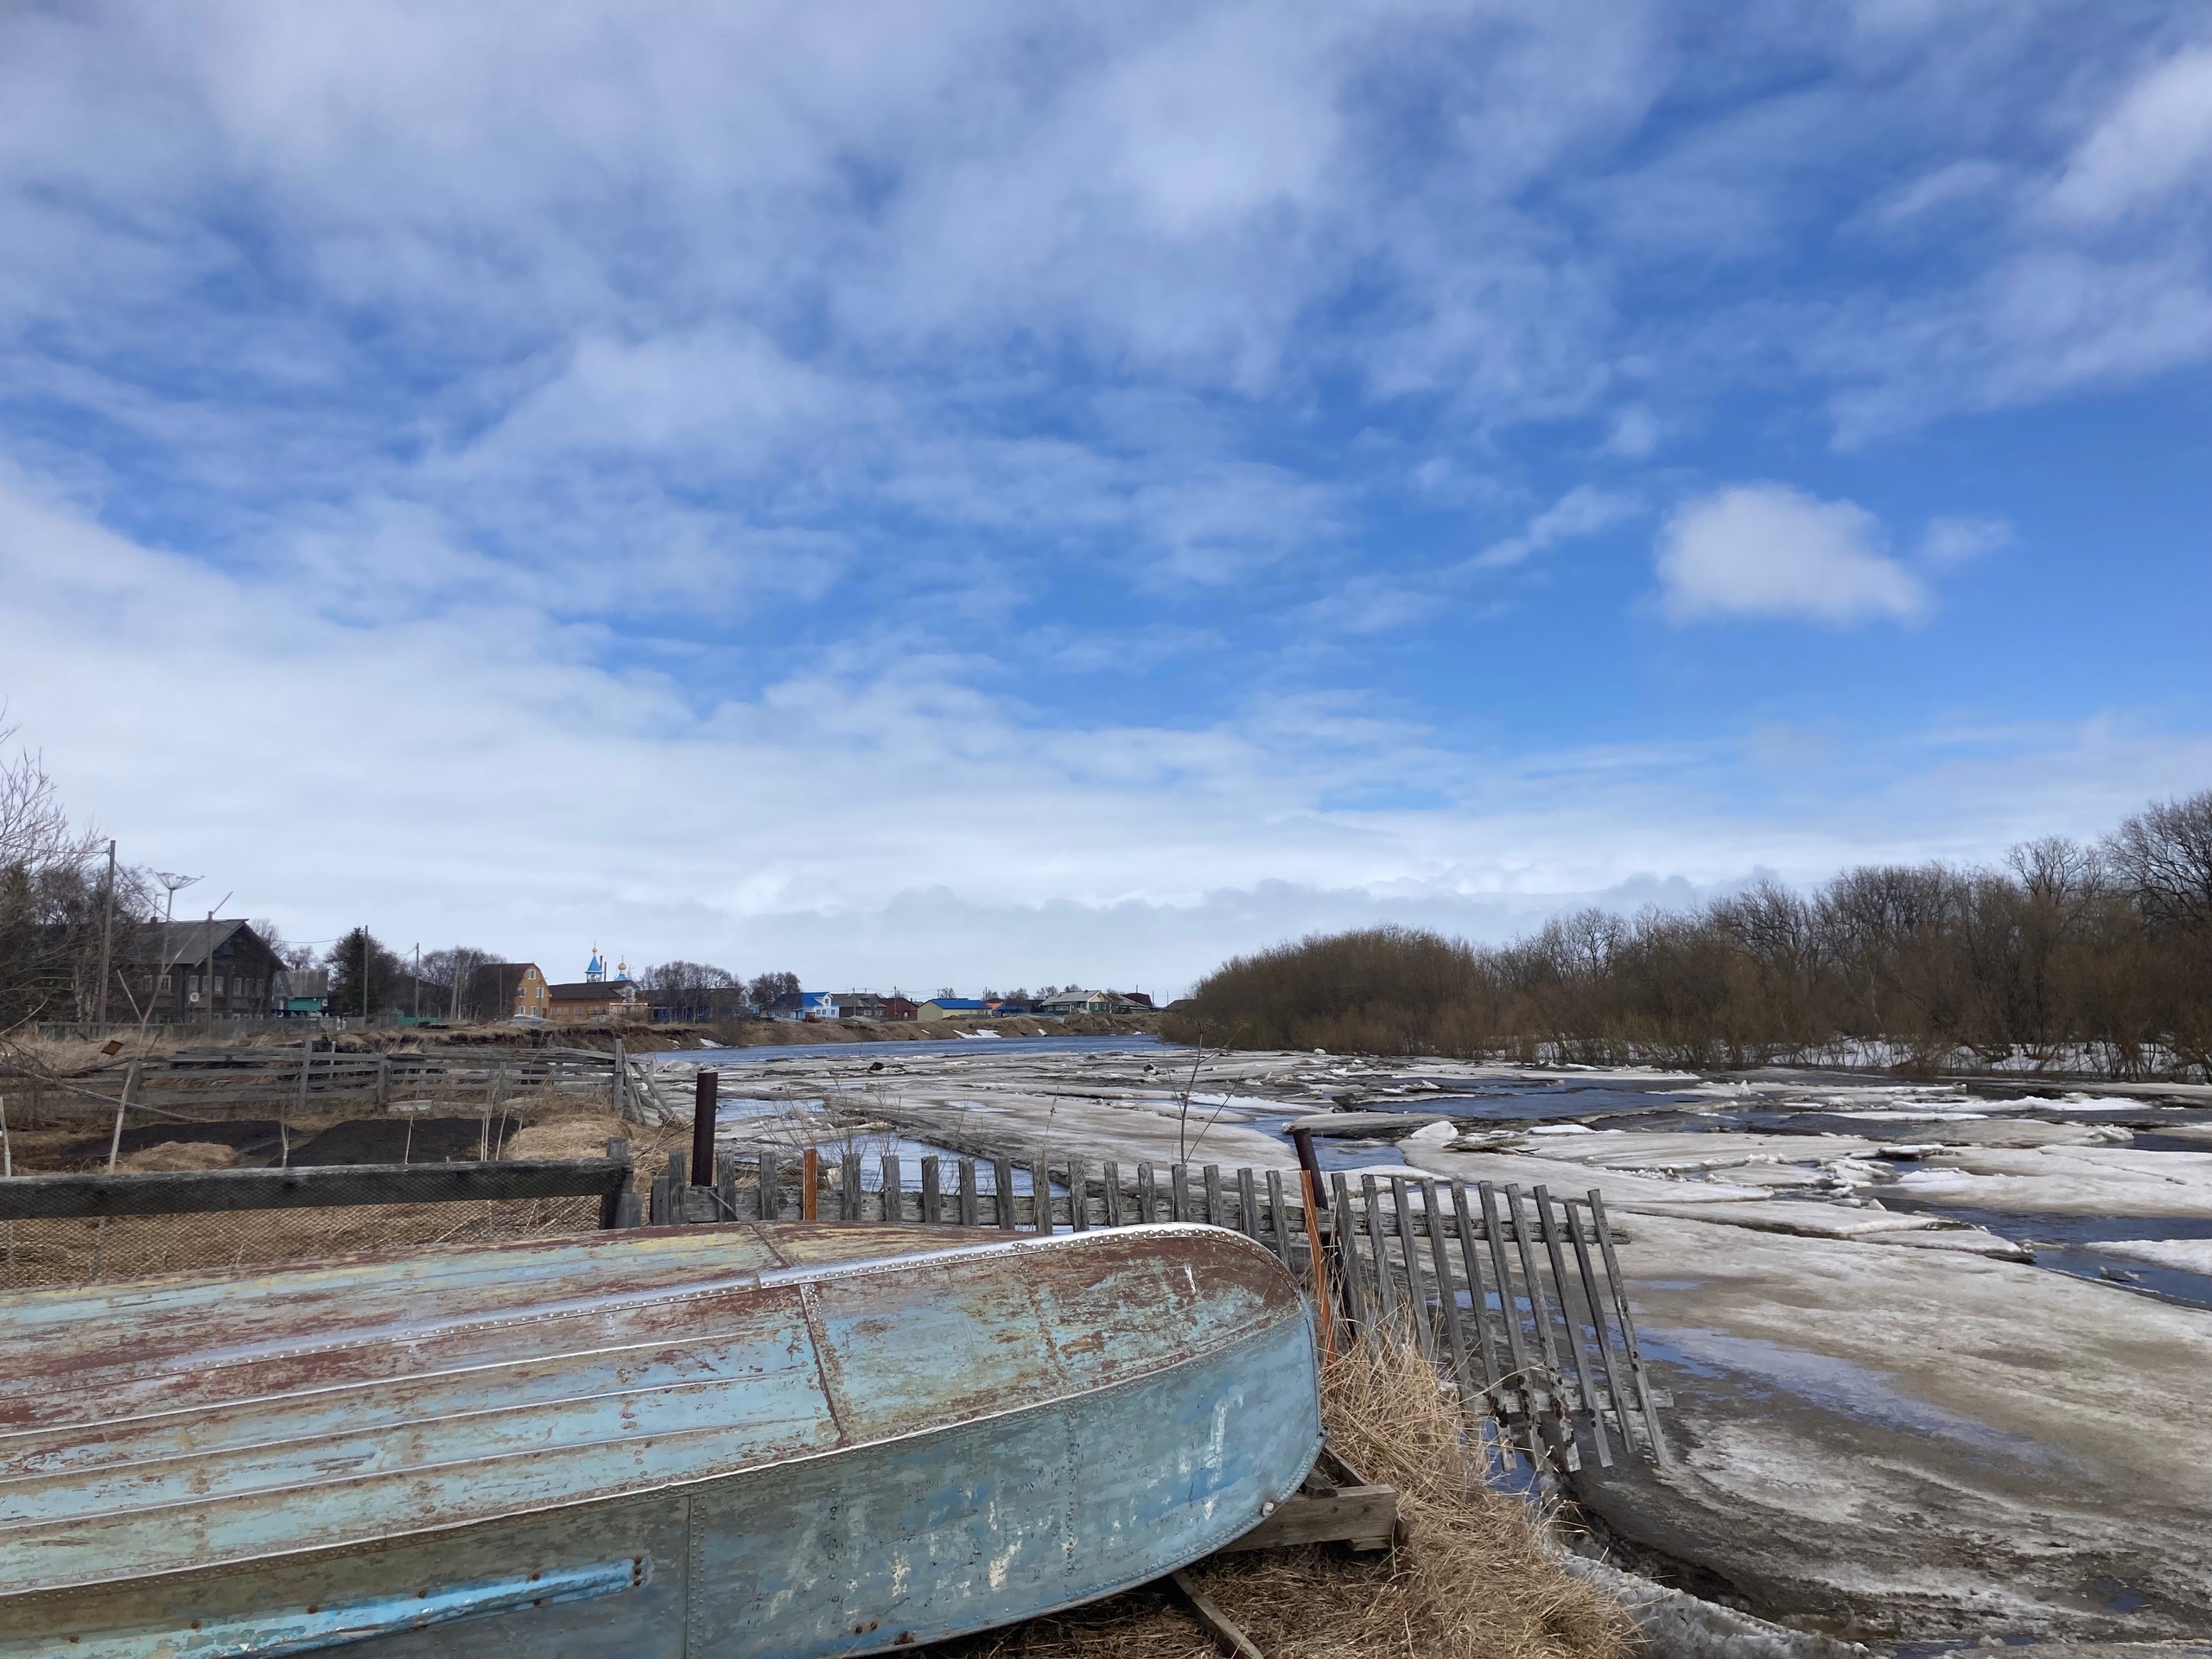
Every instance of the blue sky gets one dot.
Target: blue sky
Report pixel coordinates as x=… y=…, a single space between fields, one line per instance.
x=961 y=494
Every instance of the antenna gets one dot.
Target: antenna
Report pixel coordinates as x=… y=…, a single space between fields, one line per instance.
x=175 y=884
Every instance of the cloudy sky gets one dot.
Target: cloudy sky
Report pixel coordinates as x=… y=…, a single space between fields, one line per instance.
x=931 y=495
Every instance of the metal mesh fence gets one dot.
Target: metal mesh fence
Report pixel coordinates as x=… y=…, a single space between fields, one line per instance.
x=42 y=1255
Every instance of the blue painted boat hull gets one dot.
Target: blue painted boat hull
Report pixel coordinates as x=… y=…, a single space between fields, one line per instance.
x=932 y=1437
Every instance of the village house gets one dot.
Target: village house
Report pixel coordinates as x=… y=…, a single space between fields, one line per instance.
x=187 y=971
x=1074 y=1001
x=300 y=993
x=509 y=990
x=953 y=1007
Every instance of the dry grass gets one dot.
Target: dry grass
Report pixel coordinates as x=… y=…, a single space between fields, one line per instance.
x=1471 y=1580
x=584 y=1134
x=181 y=1155
x=554 y=1125
x=55 y=1253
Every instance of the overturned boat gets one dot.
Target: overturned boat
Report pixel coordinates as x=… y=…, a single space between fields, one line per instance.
x=783 y=1440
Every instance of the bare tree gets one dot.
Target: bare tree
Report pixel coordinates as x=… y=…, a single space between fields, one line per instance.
x=2163 y=856
x=52 y=896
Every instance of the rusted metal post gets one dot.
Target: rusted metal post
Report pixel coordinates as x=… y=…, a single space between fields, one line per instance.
x=1303 y=1140
x=810 y=1183
x=1325 y=1311
x=704 y=1090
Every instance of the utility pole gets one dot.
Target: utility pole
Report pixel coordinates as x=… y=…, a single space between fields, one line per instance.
x=107 y=937
x=365 y=975
x=208 y=979
x=418 y=983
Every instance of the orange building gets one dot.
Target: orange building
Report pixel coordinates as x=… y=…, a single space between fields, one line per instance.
x=596 y=998
x=507 y=990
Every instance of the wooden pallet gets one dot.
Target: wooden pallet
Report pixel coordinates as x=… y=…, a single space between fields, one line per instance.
x=1334 y=1506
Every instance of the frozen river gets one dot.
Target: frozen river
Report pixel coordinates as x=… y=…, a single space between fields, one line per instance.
x=1938 y=1352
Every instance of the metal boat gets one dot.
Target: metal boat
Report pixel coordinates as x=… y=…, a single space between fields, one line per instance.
x=775 y=1441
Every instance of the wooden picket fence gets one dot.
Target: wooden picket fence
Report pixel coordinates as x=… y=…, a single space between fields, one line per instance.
x=1517 y=1299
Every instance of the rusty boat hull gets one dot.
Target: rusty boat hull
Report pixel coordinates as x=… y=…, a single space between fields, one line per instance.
x=780 y=1441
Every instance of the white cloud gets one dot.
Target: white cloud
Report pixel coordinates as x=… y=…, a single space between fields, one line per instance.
x=475 y=777
x=1635 y=433
x=1944 y=186
x=2156 y=140
x=1949 y=542
x=1583 y=511
x=1769 y=550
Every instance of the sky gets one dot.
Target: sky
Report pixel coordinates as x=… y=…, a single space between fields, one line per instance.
x=982 y=495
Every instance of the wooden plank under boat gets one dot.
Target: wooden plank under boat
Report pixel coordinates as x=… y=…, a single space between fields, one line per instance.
x=779 y=1440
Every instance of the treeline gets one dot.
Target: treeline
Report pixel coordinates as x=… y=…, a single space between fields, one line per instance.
x=55 y=899
x=2069 y=958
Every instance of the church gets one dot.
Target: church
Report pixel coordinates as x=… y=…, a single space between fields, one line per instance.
x=597 y=997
